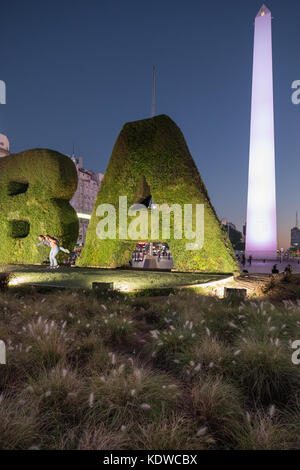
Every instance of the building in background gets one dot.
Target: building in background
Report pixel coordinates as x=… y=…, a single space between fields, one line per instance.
x=4 y=146
x=85 y=195
x=244 y=230
x=235 y=236
x=295 y=235
x=228 y=225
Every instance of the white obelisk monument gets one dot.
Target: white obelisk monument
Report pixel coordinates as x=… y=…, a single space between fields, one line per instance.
x=261 y=228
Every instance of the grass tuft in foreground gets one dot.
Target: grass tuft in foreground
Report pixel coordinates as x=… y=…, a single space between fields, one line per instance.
x=185 y=371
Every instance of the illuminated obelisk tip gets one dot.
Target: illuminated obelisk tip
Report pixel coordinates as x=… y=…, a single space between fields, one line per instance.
x=263 y=11
x=261 y=229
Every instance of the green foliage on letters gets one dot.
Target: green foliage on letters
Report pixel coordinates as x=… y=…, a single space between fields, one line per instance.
x=35 y=189
x=152 y=155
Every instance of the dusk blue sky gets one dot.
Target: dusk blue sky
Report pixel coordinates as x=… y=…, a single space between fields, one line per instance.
x=77 y=71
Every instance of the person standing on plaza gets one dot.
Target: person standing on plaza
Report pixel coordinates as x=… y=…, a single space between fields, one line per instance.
x=275 y=269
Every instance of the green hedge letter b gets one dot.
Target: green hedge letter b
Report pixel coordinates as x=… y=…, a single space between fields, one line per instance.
x=35 y=189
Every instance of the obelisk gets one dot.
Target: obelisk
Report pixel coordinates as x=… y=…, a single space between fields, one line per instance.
x=261 y=228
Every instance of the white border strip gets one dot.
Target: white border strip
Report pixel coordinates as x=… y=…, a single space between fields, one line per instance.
x=214 y=283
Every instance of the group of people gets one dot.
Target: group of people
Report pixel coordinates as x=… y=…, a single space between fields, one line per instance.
x=242 y=259
x=288 y=269
x=140 y=252
x=53 y=243
x=164 y=253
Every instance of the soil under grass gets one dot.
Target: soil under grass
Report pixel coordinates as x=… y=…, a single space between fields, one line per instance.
x=87 y=370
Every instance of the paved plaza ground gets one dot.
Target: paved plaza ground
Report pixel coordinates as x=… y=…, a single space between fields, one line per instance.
x=259 y=267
